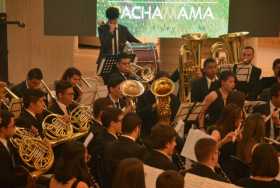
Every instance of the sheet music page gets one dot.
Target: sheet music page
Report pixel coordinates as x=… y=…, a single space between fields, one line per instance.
x=193 y=136
x=194 y=181
x=151 y=175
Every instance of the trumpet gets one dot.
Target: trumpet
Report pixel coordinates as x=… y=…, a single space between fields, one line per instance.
x=143 y=74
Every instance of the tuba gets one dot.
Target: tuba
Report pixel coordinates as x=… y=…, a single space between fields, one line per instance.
x=189 y=62
x=162 y=88
x=132 y=89
x=228 y=51
x=14 y=105
x=33 y=151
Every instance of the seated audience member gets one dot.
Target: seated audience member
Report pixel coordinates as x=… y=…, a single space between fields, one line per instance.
x=163 y=143
x=71 y=169
x=169 y=179
x=271 y=113
x=7 y=162
x=207 y=154
x=111 y=120
x=264 y=168
x=253 y=133
x=34 y=105
x=33 y=81
x=147 y=108
x=129 y=174
x=125 y=146
x=209 y=82
x=215 y=101
x=73 y=75
x=249 y=83
x=64 y=103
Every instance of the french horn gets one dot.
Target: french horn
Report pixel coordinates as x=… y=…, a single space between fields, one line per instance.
x=81 y=118
x=131 y=89
x=162 y=88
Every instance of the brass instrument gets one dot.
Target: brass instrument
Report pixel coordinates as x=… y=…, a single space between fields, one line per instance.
x=81 y=118
x=48 y=90
x=162 y=88
x=14 y=105
x=55 y=128
x=132 y=89
x=228 y=51
x=143 y=74
x=189 y=62
x=33 y=151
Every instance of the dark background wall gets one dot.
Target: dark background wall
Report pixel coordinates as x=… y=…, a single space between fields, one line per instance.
x=78 y=17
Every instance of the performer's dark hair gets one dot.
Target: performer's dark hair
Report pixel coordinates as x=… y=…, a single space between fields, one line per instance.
x=70 y=72
x=130 y=122
x=61 y=86
x=35 y=73
x=32 y=96
x=170 y=178
x=249 y=48
x=225 y=75
x=5 y=118
x=112 y=13
x=204 y=149
x=276 y=62
x=208 y=61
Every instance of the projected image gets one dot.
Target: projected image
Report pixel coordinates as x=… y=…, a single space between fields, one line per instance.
x=170 y=18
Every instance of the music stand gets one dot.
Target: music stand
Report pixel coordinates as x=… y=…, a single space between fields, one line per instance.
x=194 y=112
x=242 y=74
x=107 y=64
x=15 y=107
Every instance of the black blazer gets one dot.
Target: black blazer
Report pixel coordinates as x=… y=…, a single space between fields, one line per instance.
x=267 y=82
x=54 y=108
x=105 y=37
x=264 y=109
x=122 y=102
x=158 y=160
x=252 y=88
x=204 y=171
x=199 y=89
x=7 y=172
x=26 y=120
x=19 y=89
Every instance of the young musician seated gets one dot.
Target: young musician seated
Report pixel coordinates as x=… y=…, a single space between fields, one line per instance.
x=215 y=101
x=73 y=75
x=209 y=82
x=7 y=160
x=126 y=145
x=247 y=83
x=163 y=143
x=114 y=92
x=71 y=169
x=111 y=119
x=64 y=103
x=34 y=105
x=170 y=178
x=207 y=154
x=264 y=168
x=271 y=113
x=33 y=81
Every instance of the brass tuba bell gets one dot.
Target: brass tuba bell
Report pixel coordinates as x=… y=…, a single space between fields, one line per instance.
x=189 y=62
x=162 y=88
x=227 y=52
x=132 y=89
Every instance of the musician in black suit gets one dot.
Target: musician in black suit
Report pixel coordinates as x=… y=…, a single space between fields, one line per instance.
x=33 y=81
x=64 y=103
x=126 y=146
x=112 y=35
x=209 y=82
x=271 y=109
x=111 y=120
x=207 y=154
x=248 y=83
x=267 y=82
x=73 y=75
x=115 y=95
x=34 y=105
x=7 y=162
x=162 y=143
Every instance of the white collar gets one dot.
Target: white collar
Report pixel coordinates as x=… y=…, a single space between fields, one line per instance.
x=31 y=113
x=118 y=101
x=129 y=137
x=62 y=107
x=208 y=79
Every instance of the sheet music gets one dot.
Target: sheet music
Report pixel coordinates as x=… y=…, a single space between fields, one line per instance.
x=193 y=136
x=194 y=181
x=151 y=175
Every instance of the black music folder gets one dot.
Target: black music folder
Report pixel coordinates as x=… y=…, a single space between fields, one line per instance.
x=107 y=64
